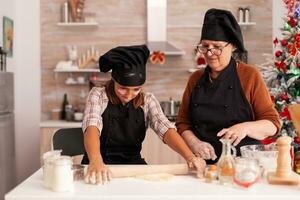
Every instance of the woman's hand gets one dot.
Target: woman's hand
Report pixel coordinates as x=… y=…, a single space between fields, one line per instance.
x=198 y=147
x=198 y=164
x=235 y=133
x=97 y=172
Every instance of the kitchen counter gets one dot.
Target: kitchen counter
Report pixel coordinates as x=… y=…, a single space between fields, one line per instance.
x=180 y=187
x=59 y=123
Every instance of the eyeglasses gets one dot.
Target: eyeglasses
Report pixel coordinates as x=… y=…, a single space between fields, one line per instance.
x=215 y=50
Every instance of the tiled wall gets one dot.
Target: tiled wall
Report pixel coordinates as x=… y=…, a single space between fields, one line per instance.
x=123 y=22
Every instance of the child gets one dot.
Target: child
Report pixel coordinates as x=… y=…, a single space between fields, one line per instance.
x=118 y=114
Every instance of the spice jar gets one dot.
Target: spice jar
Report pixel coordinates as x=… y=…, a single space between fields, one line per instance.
x=62 y=174
x=211 y=173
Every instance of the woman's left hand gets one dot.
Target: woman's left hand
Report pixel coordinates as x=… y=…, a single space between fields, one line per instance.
x=197 y=163
x=234 y=133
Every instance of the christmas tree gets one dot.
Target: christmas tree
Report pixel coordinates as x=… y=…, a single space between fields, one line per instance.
x=285 y=85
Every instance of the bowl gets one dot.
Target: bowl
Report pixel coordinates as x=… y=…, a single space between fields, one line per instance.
x=265 y=154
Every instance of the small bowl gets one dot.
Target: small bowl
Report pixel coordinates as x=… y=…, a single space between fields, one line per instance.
x=266 y=155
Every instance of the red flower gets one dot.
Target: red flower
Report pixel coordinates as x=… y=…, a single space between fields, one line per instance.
x=284 y=42
x=293 y=48
x=278 y=53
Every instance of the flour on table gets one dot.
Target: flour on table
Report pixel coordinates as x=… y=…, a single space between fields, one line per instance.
x=155 y=177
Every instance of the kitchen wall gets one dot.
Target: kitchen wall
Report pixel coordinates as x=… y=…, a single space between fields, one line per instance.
x=25 y=64
x=124 y=23
x=7 y=9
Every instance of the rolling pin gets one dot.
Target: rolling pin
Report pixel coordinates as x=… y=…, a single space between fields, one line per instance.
x=119 y=171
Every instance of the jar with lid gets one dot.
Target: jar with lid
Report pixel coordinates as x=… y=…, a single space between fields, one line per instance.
x=48 y=158
x=62 y=174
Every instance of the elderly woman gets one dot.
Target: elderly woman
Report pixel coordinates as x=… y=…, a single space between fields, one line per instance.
x=228 y=99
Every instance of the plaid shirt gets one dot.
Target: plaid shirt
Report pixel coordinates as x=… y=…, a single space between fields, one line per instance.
x=97 y=102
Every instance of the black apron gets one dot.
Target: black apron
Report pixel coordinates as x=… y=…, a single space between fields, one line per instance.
x=122 y=135
x=217 y=105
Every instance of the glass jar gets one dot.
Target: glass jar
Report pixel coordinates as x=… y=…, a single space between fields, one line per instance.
x=62 y=174
x=48 y=158
x=247 y=172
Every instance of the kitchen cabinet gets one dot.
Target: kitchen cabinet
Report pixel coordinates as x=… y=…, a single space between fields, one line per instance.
x=154 y=150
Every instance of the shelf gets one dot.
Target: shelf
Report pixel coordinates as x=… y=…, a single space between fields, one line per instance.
x=165 y=47
x=77 y=70
x=247 y=23
x=78 y=24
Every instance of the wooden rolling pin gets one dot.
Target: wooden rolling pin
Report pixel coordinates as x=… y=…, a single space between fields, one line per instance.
x=119 y=171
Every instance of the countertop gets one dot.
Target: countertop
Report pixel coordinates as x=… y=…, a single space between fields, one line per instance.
x=59 y=124
x=180 y=187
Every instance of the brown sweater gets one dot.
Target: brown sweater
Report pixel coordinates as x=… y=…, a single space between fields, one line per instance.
x=255 y=91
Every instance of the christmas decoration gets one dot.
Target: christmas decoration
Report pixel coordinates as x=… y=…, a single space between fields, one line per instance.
x=157 y=56
x=282 y=77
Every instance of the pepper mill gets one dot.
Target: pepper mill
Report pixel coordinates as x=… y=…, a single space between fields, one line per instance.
x=284 y=174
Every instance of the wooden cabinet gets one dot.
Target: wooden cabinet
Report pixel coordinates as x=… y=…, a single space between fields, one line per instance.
x=154 y=150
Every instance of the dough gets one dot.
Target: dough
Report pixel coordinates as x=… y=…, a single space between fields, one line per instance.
x=156 y=177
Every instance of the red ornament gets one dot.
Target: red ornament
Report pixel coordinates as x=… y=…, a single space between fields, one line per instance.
x=292 y=22
x=298 y=65
x=284 y=42
x=275 y=41
x=273 y=98
x=281 y=66
x=297 y=140
x=284 y=97
x=297 y=37
x=278 y=53
x=285 y=113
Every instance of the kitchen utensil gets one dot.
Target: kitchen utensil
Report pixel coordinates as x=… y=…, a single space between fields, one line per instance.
x=119 y=171
x=226 y=167
x=247 y=171
x=284 y=174
x=266 y=155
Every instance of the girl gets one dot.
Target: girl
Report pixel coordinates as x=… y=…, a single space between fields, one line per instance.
x=118 y=114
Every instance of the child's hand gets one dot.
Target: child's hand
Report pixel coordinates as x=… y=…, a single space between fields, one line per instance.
x=97 y=173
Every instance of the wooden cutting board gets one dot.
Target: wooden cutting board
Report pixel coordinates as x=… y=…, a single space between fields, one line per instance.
x=119 y=171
